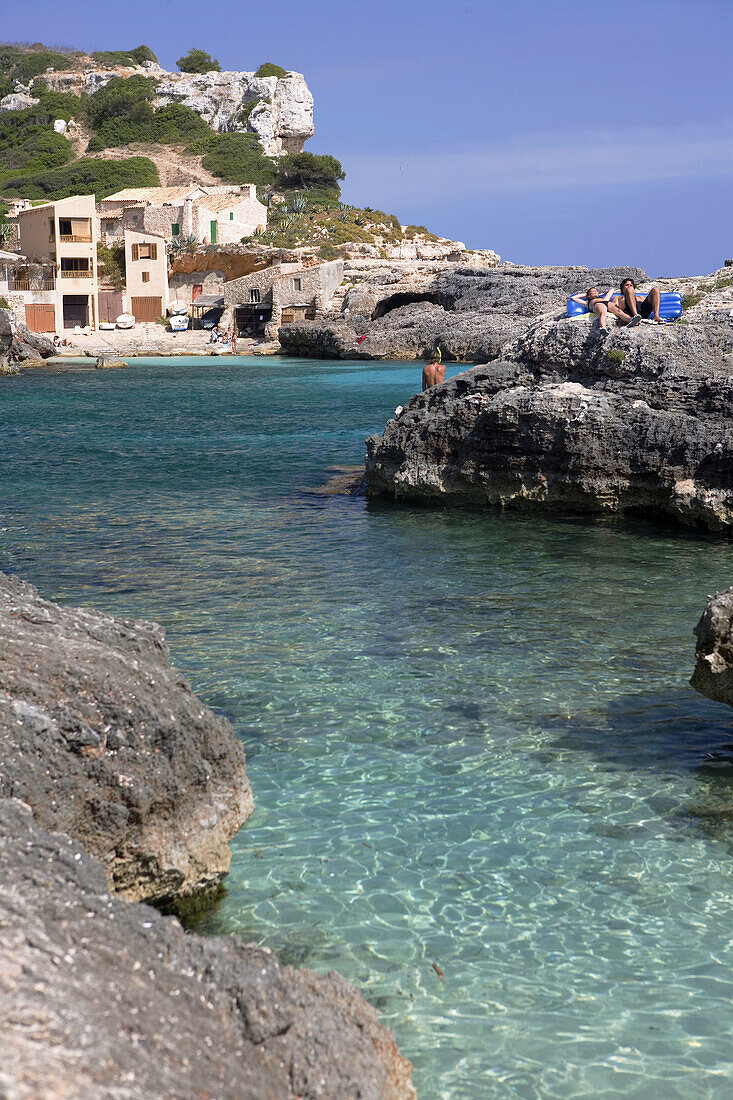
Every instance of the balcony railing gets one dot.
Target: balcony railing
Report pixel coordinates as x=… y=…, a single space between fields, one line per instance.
x=75 y=238
x=31 y=284
x=76 y=274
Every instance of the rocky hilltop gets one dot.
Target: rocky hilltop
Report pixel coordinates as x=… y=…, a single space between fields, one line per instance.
x=563 y=416
x=279 y=110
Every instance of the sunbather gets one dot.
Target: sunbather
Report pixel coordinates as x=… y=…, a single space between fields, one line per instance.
x=632 y=308
x=596 y=303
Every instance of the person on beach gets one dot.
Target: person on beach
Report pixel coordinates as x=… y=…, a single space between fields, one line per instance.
x=233 y=338
x=433 y=372
x=632 y=308
x=596 y=303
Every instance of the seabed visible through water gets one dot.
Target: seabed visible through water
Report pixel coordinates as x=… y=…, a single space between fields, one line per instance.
x=470 y=735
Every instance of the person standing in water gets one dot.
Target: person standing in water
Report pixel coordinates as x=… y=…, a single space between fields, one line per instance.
x=433 y=372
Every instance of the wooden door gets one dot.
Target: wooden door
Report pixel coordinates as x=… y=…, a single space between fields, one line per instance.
x=147 y=309
x=40 y=318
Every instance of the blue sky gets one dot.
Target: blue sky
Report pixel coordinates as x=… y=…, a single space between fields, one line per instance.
x=551 y=132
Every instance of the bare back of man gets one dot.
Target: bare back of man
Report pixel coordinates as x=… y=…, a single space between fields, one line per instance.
x=433 y=374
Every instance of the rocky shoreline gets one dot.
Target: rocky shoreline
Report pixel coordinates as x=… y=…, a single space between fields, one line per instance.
x=567 y=417
x=117 y=785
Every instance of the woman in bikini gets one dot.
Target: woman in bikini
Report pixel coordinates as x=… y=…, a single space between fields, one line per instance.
x=595 y=302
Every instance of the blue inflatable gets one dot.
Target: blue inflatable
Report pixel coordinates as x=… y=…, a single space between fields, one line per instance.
x=670 y=306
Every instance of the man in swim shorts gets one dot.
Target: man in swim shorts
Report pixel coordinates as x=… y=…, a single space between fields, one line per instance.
x=433 y=373
x=632 y=308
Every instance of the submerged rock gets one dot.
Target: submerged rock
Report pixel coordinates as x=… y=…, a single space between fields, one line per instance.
x=574 y=419
x=104 y=999
x=105 y=741
x=713 y=675
x=110 y=362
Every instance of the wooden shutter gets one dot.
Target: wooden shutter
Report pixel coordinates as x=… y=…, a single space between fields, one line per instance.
x=136 y=252
x=153 y=252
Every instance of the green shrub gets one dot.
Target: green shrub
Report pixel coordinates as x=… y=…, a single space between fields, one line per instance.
x=616 y=355
x=328 y=252
x=4 y=303
x=237 y=158
x=122 y=113
x=111 y=262
x=692 y=299
x=25 y=63
x=198 y=61
x=268 y=69
x=64 y=105
x=306 y=170
x=125 y=57
x=84 y=177
x=43 y=149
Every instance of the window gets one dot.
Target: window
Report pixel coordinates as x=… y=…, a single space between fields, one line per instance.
x=148 y=251
x=65 y=229
x=297 y=284
x=146 y=276
x=231 y=215
x=254 y=295
x=175 y=229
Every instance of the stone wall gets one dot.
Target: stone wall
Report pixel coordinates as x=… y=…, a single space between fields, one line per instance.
x=181 y=284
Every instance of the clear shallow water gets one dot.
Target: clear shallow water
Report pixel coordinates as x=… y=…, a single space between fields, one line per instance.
x=470 y=736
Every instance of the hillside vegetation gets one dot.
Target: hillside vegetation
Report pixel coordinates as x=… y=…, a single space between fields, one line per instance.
x=302 y=189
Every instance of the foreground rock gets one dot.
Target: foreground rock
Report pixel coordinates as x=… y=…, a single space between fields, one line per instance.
x=103 y=999
x=109 y=361
x=18 y=345
x=638 y=420
x=105 y=741
x=713 y=675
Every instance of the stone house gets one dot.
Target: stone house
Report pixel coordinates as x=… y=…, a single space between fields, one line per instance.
x=146 y=275
x=259 y=303
x=214 y=215
x=55 y=283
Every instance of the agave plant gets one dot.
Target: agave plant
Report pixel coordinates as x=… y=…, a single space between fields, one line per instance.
x=299 y=204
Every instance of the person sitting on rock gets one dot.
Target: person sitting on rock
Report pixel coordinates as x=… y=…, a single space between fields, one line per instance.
x=596 y=303
x=632 y=308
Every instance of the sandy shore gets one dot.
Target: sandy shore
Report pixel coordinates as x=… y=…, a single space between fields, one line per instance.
x=154 y=340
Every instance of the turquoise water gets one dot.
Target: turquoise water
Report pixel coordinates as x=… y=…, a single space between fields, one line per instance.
x=470 y=736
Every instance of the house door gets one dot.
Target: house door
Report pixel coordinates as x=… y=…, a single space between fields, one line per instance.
x=76 y=310
x=110 y=305
x=212 y=232
x=146 y=309
x=40 y=318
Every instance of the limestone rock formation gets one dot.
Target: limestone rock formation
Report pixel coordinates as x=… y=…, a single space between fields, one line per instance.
x=18 y=101
x=569 y=418
x=282 y=115
x=104 y=999
x=105 y=741
x=18 y=344
x=713 y=675
x=403 y=309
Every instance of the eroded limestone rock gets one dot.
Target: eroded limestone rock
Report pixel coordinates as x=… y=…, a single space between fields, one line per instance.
x=106 y=742
x=104 y=999
x=637 y=420
x=713 y=675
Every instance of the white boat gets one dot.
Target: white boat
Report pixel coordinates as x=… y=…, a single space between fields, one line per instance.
x=177 y=307
x=125 y=320
x=178 y=322
x=107 y=325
